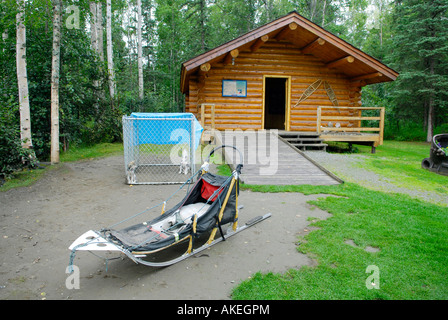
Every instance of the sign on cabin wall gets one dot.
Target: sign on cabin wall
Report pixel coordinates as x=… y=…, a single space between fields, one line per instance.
x=234 y=88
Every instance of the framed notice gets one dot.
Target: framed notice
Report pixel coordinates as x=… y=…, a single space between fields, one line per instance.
x=234 y=88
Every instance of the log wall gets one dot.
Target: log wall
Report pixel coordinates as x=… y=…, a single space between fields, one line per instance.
x=272 y=59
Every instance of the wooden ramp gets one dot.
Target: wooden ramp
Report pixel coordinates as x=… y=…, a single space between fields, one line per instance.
x=270 y=160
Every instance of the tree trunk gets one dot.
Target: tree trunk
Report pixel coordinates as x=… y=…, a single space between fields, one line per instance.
x=99 y=30
x=93 y=30
x=431 y=113
x=139 y=49
x=94 y=42
x=55 y=67
x=323 y=13
x=110 y=61
x=430 y=131
x=425 y=115
x=22 y=79
x=4 y=38
x=313 y=9
x=203 y=27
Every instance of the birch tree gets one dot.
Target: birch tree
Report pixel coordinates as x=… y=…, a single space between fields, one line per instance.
x=96 y=28
x=99 y=30
x=93 y=31
x=110 y=61
x=94 y=38
x=22 y=79
x=139 y=49
x=55 y=69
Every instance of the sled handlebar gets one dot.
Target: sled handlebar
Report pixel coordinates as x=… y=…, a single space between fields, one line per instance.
x=239 y=165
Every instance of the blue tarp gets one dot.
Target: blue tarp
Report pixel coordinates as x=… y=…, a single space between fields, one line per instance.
x=165 y=128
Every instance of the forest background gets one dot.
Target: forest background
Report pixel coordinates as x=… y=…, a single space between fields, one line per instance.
x=86 y=63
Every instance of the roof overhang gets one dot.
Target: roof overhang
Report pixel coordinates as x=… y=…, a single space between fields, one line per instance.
x=334 y=52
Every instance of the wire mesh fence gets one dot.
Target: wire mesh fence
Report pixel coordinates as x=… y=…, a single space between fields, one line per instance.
x=159 y=148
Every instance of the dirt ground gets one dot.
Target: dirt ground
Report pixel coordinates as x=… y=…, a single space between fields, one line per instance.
x=38 y=224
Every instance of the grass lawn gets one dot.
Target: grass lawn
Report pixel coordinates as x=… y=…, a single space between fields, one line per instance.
x=401 y=161
x=409 y=236
x=91 y=152
x=25 y=178
x=22 y=178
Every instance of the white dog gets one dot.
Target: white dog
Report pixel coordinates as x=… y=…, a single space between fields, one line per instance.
x=184 y=165
x=131 y=177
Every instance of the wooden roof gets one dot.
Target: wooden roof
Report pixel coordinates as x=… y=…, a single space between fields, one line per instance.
x=309 y=38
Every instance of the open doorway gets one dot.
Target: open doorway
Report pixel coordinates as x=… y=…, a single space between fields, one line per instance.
x=275 y=102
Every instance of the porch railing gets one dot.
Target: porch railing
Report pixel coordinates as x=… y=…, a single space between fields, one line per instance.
x=207 y=134
x=350 y=123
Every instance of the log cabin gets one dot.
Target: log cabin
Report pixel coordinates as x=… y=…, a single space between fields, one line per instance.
x=290 y=75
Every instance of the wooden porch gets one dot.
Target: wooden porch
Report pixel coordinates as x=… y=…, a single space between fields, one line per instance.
x=355 y=125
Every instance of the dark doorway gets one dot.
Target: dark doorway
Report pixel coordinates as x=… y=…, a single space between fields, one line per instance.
x=275 y=103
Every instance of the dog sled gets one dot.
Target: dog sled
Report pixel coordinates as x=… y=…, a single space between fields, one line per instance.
x=438 y=155
x=207 y=215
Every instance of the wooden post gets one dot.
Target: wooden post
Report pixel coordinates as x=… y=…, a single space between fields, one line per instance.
x=203 y=115
x=212 y=115
x=203 y=69
x=260 y=41
x=285 y=31
x=207 y=135
x=319 y=115
x=367 y=76
x=231 y=56
x=340 y=62
x=313 y=46
x=382 y=114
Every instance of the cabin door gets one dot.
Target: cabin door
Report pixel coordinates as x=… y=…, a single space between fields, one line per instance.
x=276 y=102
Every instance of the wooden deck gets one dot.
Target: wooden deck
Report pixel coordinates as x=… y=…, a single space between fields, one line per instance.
x=269 y=160
x=371 y=133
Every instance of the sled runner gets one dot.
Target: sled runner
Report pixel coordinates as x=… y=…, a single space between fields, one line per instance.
x=209 y=204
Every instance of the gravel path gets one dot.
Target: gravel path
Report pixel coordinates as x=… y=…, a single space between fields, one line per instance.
x=39 y=222
x=348 y=167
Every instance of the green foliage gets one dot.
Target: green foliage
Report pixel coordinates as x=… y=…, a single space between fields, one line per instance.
x=421 y=36
x=12 y=156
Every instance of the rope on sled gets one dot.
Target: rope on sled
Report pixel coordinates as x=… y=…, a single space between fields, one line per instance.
x=155 y=206
x=216 y=192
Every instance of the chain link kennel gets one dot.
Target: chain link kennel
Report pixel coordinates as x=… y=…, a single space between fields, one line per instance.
x=159 y=148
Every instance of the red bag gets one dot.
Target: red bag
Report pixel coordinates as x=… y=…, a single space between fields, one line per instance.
x=207 y=190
